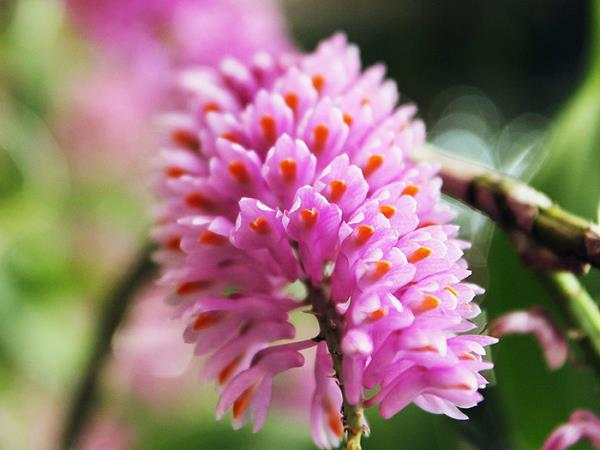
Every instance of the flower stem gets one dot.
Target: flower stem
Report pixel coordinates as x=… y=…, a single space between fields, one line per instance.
x=580 y=308
x=331 y=326
x=113 y=311
x=517 y=207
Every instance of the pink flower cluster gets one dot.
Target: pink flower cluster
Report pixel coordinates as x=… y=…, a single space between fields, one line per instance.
x=181 y=31
x=296 y=168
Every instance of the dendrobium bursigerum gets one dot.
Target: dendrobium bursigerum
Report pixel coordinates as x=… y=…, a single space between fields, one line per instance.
x=294 y=169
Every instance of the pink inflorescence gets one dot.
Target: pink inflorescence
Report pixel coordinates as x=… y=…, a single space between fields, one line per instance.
x=296 y=168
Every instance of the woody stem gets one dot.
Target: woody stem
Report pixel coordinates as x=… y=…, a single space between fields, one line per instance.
x=331 y=326
x=112 y=312
x=517 y=207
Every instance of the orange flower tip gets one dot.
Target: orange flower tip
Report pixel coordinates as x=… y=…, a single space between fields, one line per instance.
x=173 y=244
x=230 y=136
x=334 y=420
x=364 y=233
x=211 y=238
x=461 y=386
x=260 y=225
x=320 y=136
x=364 y=101
x=318 y=82
x=425 y=348
x=374 y=162
x=211 y=107
x=206 y=320
x=377 y=314
x=238 y=170
x=467 y=357
x=348 y=119
x=426 y=224
x=269 y=129
x=452 y=290
x=387 y=210
x=186 y=139
x=381 y=268
x=291 y=100
x=199 y=201
x=336 y=190
x=288 y=168
x=309 y=216
x=240 y=405
x=192 y=287
x=229 y=369
x=174 y=172
x=419 y=255
x=428 y=303
x=411 y=190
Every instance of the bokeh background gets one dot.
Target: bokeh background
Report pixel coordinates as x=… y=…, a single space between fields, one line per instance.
x=513 y=84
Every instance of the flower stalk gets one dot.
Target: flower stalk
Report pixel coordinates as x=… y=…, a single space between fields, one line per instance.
x=113 y=310
x=581 y=310
x=330 y=326
x=517 y=207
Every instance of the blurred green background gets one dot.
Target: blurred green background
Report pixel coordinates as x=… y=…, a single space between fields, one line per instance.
x=493 y=80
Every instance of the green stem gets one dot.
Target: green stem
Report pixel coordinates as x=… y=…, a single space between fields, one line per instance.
x=331 y=326
x=581 y=309
x=113 y=312
x=517 y=207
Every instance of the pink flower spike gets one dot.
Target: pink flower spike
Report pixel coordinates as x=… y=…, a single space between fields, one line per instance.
x=581 y=425
x=308 y=156
x=538 y=322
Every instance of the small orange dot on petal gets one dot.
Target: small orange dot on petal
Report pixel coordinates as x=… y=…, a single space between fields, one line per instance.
x=211 y=238
x=238 y=170
x=419 y=254
x=260 y=225
x=374 y=163
x=336 y=190
x=211 y=107
x=192 y=287
x=428 y=303
x=318 y=82
x=381 y=268
x=320 y=136
x=174 y=172
x=242 y=402
x=186 y=139
x=364 y=233
x=269 y=129
x=288 y=168
x=198 y=200
x=291 y=100
x=309 y=216
x=387 y=210
x=206 y=320
x=228 y=370
x=411 y=190
x=173 y=244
